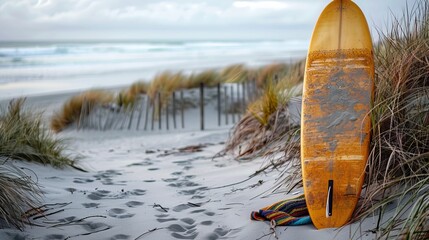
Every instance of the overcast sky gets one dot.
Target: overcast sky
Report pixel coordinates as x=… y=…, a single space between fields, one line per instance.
x=173 y=19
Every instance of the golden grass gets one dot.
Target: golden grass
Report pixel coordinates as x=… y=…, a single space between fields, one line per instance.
x=235 y=73
x=78 y=105
x=265 y=126
x=266 y=105
x=271 y=73
x=209 y=78
x=128 y=97
x=164 y=84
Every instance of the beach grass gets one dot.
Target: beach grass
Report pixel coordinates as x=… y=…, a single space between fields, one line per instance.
x=18 y=193
x=129 y=96
x=272 y=73
x=78 y=105
x=266 y=123
x=235 y=73
x=398 y=167
x=24 y=137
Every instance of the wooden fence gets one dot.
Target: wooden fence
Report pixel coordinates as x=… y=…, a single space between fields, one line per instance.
x=202 y=108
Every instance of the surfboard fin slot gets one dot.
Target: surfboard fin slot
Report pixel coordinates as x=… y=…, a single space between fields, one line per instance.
x=329 y=199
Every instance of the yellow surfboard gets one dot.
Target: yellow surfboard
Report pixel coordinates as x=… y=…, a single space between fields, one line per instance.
x=338 y=89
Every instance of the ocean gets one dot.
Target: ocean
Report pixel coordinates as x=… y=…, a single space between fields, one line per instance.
x=35 y=68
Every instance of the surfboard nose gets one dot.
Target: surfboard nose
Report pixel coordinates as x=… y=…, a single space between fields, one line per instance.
x=342 y=25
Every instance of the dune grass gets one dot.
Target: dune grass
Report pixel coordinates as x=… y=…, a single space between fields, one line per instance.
x=128 y=97
x=266 y=124
x=235 y=73
x=23 y=137
x=18 y=193
x=398 y=166
x=272 y=73
x=78 y=105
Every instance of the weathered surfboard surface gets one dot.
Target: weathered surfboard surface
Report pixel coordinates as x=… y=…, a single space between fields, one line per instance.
x=337 y=96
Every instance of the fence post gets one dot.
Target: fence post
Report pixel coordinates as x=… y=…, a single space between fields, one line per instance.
x=232 y=104
x=146 y=117
x=132 y=116
x=107 y=119
x=99 y=109
x=140 y=113
x=174 y=110
x=238 y=101
x=159 y=112
x=225 y=92
x=218 y=105
x=243 y=87
x=182 y=110
x=167 y=115
x=202 y=106
x=153 y=111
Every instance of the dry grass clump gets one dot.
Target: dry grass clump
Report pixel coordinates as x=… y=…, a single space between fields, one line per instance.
x=18 y=192
x=272 y=73
x=78 y=105
x=398 y=168
x=235 y=73
x=165 y=84
x=23 y=137
x=128 y=97
x=266 y=105
x=209 y=78
x=266 y=126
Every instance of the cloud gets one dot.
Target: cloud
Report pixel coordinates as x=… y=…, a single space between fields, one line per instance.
x=30 y=19
x=257 y=5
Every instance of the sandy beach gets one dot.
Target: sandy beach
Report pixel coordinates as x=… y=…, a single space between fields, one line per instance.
x=149 y=185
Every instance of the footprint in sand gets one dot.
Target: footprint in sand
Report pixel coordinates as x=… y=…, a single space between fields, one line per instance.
x=82 y=180
x=206 y=223
x=53 y=237
x=94 y=226
x=210 y=214
x=181 y=207
x=106 y=177
x=105 y=194
x=140 y=164
x=164 y=218
x=183 y=183
x=133 y=204
x=71 y=190
x=90 y=205
x=119 y=213
x=99 y=194
x=185 y=230
x=217 y=233
x=138 y=192
x=196 y=192
x=120 y=237
x=170 y=179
